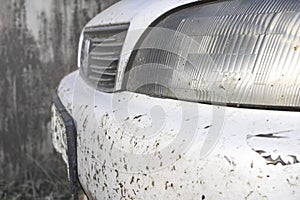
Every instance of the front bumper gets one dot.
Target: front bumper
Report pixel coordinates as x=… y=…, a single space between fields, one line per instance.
x=132 y=146
x=64 y=140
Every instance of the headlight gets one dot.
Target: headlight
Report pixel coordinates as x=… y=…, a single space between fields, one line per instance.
x=100 y=53
x=242 y=53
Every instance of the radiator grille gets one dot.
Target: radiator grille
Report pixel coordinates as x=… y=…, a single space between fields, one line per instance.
x=100 y=55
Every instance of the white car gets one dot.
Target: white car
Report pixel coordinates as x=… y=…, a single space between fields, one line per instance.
x=184 y=99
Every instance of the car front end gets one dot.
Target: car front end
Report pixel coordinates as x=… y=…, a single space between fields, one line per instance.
x=184 y=100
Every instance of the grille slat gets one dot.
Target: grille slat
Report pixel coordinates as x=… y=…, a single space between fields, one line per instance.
x=103 y=67
x=102 y=78
x=105 y=72
x=96 y=53
x=104 y=45
x=107 y=44
x=105 y=58
x=103 y=40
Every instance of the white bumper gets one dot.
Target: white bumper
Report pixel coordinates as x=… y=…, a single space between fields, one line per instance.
x=132 y=146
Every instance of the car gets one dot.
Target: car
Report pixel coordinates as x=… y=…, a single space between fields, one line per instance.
x=184 y=99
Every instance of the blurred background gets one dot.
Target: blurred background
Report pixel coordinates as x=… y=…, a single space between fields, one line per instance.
x=38 y=47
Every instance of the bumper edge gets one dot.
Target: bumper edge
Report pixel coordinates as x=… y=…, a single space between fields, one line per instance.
x=71 y=134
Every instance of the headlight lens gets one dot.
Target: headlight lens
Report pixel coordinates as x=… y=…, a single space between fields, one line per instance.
x=99 y=56
x=244 y=52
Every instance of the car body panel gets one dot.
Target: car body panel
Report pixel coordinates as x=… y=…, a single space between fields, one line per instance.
x=212 y=152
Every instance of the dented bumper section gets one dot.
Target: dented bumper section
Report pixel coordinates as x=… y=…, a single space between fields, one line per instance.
x=132 y=146
x=64 y=140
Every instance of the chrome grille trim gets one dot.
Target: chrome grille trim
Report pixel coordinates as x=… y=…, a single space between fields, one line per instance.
x=100 y=55
x=109 y=28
